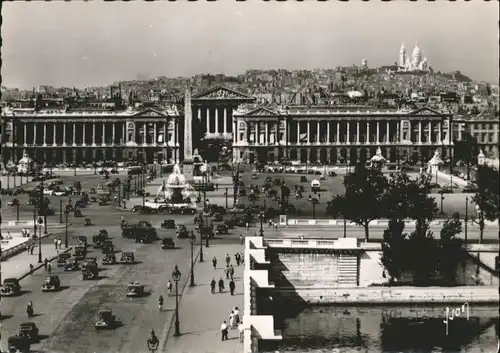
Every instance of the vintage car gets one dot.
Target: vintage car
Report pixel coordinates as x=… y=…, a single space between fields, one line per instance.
x=221 y=228
x=105 y=320
x=167 y=243
x=303 y=179
x=109 y=259
x=62 y=258
x=87 y=222
x=10 y=287
x=90 y=271
x=51 y=284
x=168 y=224
x=82 y=240
x=30 y=331
x=71 y=265
x=107 y=246
x=218 y=217
x=99 y=237
x=80 y=252
x=87 y=261
x=146 y=235
x=127 y=258
x=77 y=213
x=18 y=344
x=135 y=290
x=182 y=231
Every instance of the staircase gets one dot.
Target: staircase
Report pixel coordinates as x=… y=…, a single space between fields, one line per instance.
x=348 y=271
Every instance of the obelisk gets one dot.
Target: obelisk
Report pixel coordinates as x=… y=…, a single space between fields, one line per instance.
x=187 y=163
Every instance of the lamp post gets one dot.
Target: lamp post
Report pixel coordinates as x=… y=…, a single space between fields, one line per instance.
x=60 y=211
x=66 y=214
x=192 y=240
x=176 y=276
x=345 y=226
x=466 y=217
x=225 y=194
x=313 y=202
x=261 y=216
x=201 y=242
x=17 y=211
x=40 y=221
x=442 y=201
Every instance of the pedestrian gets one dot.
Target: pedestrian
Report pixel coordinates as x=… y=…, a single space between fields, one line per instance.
x=276 y=226
x=45 y=263
x=231 y=320
x=212 y=285
x=32 y=247
x=228 y=259
x=55 y=243
x=231 y=272
x=242 y=259
x=31 y=268
x=214 y=263
x=226 y=271
x=241 y=330
x=221 y=285
x=236 y=315
x=169 y=287
x=216 y=186
x=223 y=331
x=241 y=239
x=237 y=259
x=232 y=287
x=59 y=244
x=27 y=233
x=49 y=268
x=28 y=248
x=247 y=226
x=269 y=223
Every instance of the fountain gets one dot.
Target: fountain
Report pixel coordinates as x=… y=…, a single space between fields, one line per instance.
x=175 y=190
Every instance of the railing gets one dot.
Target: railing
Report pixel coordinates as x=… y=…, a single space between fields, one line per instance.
x=375 y=223
x=343 y=243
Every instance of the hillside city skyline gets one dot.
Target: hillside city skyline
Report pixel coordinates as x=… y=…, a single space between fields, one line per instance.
x=52 y=44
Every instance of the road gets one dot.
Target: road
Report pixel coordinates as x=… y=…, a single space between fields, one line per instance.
x=66 y=318
x=376 y=233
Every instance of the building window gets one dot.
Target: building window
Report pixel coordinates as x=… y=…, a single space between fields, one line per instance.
x=169 y=136
x=130 y=136
x=282 y=136
x=242 y=136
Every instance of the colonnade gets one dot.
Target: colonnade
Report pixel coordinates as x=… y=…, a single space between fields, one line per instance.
x=227 y=114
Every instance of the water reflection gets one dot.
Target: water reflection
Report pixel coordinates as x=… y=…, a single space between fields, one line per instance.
x=385 y=329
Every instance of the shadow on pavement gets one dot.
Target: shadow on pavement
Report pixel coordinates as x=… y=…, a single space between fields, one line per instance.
x=5 y=317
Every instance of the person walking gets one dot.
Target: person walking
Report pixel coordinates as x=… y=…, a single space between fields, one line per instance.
x=223 y=331
x=31 y=268
x=169 y=287
x=212 y=285
x=241 y=330
x=49 y=268
x=232 y=287
x=59 y=243
x=55 y=243
x=226 y=270
x=231 y=272
x=236 y=315
x=45 y=263
x=214 y=263
x=237 y=259
x=247 y=226
x=32 y=248
x=231 y=320
x=242 y=240
x=221 y=285
x=228 y=259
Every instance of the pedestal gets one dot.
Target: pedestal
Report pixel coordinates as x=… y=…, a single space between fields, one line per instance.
x=187 y=170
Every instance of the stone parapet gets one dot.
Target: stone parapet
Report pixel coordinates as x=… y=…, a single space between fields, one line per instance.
x=259 y=326
x=383 y=223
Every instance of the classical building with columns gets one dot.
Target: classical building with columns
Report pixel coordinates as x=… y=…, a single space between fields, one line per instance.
x=339 y=134
x=87 y=135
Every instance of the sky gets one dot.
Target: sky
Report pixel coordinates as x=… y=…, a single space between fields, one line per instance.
x=95 y=43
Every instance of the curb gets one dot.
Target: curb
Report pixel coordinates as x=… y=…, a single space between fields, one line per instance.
x=20 y=248
x=36 y=268
x=167 y=332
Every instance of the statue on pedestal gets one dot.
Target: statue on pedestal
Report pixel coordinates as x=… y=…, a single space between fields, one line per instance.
x=434 y=163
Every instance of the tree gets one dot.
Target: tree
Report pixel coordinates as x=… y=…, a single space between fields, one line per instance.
x=394 y=249
x=422 y=259
x=450 y=249
x=486 y=197
x=466 y=150
x=365 y=189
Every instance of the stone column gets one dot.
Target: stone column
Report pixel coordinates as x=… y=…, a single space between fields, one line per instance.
x=35 y=126
x=328 y=132
x=165 y=133
x=357 y=132
x=54 y=135
x=429 y=134
x=440 y=132
x=155 y=142
x=298 y=132
x=45 y=134
x=328 y=155
x=318 y=139
x=308 y=151
x=217 y=120
x=199 y=114
x=348 y=132
x=208 y=120
x=114 y=134
x=225 y=121
x=266 y=138
x=338 y=131
x=83 y=128
x=64 y=134
x=388 y=135
x=367 y=132
x=25 y=128
x=308 y=136
x=420 y=131
x=93 y=133
x=378 y=132
x=103 y=141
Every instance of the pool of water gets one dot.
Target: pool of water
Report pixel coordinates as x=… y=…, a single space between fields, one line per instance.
x=385 y=329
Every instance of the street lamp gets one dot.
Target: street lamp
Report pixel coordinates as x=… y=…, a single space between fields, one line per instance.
x=466 y=217
x=442 y=200
x=226 y=194
x=60 y=211
x=40 y=221
x=66 y=214
x=314 y=201
x=192 y=240
x=261 y=216
x=201 y=228
x=176 y=276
